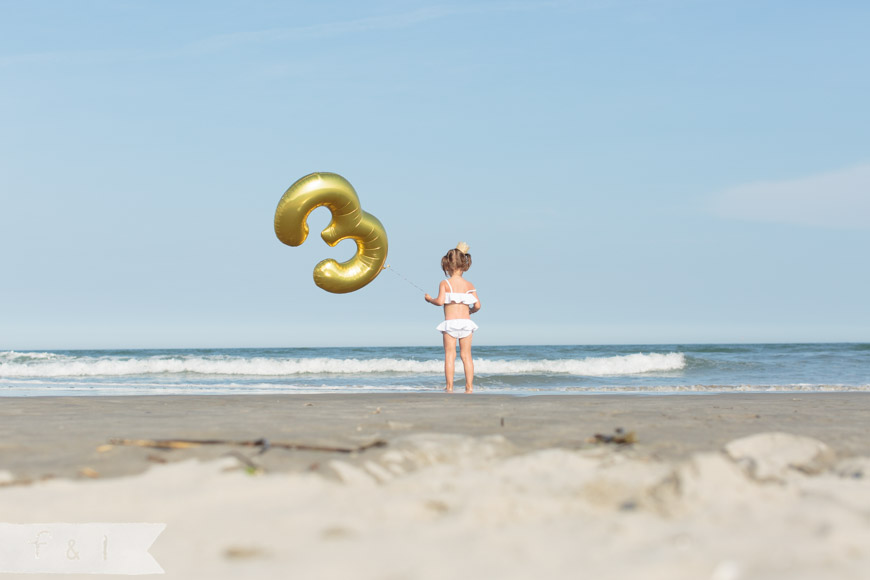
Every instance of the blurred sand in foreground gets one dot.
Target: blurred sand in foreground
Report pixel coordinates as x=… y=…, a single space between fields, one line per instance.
x=719 y=487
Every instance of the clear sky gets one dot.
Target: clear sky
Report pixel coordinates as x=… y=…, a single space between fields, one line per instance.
x=624 y=171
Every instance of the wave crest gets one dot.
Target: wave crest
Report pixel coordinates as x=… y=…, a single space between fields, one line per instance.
x=38 y=365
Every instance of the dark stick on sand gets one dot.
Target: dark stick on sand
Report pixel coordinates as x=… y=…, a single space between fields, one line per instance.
x=264 y=444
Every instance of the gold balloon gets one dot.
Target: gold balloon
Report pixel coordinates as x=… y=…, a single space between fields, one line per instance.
x=349 y=221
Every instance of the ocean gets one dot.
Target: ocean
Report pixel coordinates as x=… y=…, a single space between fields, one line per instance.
x=515 y=370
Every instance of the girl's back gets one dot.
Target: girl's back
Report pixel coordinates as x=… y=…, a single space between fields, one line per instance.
x=459 y=294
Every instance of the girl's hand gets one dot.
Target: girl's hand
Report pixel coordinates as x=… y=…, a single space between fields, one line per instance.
x=427 y=298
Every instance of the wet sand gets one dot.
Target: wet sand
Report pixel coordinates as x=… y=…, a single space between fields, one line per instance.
x=59 y=436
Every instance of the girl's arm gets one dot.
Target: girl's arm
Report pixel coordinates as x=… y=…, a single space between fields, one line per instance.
x=476 y=306
x=442 y=295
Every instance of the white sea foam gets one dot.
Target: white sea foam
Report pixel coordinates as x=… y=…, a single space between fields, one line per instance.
x=31 y=365
x=631 y=364
x=717 y=389
x=11 y=355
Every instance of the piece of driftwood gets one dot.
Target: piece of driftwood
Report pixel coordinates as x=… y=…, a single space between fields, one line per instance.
x=619 y=437
x=263 y=444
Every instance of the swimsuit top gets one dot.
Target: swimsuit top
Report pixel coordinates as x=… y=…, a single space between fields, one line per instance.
x=459 y=297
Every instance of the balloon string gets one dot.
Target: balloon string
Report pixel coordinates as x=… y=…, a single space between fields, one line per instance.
x=393 y=270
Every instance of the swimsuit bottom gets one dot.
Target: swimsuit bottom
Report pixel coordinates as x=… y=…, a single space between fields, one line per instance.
x=457 y=327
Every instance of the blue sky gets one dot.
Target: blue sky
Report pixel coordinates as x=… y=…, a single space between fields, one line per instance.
x=624 y=172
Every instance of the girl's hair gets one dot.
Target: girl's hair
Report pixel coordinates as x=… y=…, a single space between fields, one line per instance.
x=454 y=260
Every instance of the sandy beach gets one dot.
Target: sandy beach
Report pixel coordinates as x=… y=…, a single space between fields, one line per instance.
x=725 y=487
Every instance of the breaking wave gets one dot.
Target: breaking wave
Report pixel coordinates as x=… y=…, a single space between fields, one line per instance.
x=46 y=365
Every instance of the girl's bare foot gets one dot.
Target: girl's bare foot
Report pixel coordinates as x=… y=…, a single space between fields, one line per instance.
x=448 y=390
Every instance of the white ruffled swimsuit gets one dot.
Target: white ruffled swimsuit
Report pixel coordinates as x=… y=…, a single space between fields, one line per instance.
x=458 y=327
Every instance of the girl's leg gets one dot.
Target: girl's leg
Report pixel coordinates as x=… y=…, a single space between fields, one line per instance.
x=449 y=360
x=467 y=363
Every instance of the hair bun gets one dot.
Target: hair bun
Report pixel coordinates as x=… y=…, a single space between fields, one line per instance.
x=462 y=247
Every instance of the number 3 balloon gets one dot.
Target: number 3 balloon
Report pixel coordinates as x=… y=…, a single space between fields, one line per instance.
x=349 y=221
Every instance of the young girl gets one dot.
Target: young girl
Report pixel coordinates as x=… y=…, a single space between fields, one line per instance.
x=460 y=300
